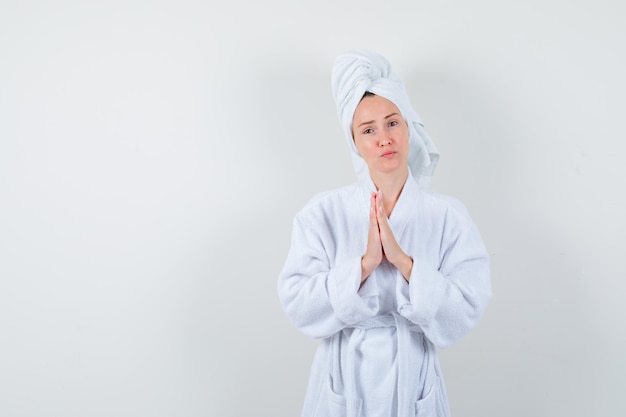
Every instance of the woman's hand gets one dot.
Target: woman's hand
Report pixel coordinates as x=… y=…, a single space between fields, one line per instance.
x=391 y=249
x=374 y=251
x=382 y=243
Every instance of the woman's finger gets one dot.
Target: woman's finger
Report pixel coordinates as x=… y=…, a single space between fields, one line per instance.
x=373 y=210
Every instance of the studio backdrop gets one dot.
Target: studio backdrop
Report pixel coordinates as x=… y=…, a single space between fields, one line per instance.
x=153 y=155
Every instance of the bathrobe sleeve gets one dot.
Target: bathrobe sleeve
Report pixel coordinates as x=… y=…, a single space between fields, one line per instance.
x=321 y=297
x=448 y=299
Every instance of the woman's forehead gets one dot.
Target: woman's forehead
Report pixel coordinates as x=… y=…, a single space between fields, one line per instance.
x=374 y=107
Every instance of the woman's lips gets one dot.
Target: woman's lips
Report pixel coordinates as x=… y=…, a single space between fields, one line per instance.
x=388 y=154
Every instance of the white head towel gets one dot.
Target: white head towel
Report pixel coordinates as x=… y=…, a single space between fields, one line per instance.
x=358 y=71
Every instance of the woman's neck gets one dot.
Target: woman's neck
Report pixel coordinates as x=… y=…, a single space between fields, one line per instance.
x=391 y=186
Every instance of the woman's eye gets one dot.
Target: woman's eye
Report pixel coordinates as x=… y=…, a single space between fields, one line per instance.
x=368 y=131
x=393 y=123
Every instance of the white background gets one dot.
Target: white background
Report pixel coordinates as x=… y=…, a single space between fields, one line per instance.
x=153 y=155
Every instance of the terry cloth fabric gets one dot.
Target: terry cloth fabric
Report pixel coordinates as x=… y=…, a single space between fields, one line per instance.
x=358 y=71
x=377 y=354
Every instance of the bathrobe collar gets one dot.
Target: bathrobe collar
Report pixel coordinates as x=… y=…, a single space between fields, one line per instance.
x=407 y=200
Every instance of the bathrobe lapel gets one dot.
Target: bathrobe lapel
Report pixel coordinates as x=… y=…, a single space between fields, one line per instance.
x=405 y=208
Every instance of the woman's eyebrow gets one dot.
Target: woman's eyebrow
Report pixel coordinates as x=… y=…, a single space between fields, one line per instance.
x=372 y=121
x=367 y=123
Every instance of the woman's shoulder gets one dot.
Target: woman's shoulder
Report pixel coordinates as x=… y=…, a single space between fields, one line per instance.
x=329 y=198
x=444 y=203
x=333 y=200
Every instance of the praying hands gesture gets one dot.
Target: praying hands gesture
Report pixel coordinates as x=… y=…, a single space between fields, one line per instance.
x=382 y=244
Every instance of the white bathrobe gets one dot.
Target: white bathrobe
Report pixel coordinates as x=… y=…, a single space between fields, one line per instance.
x=377 y=353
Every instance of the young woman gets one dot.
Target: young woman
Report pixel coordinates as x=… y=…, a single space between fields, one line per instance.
x=382 y=271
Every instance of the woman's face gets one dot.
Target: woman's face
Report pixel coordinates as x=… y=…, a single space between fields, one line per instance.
x=381 y=135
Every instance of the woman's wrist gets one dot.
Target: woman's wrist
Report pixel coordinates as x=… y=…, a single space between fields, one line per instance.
x=366 y=269
x=405 y=266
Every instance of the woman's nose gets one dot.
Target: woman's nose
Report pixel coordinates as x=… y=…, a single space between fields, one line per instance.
x=385 y=139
